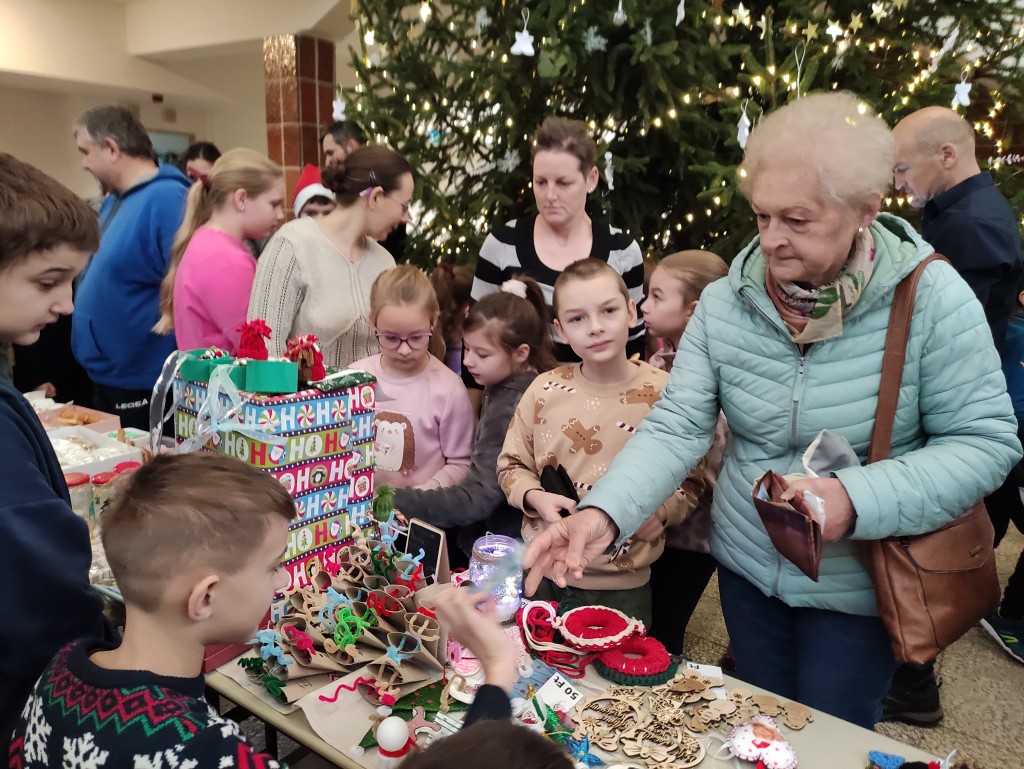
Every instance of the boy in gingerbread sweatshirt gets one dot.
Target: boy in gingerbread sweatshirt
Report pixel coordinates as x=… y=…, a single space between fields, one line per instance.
x=579 y=416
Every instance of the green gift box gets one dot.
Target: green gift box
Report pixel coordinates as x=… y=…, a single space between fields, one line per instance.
x=270 y=376
x=197 y=368
x=236 y=374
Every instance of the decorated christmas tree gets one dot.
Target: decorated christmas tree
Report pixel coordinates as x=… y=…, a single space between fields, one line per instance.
x=668 y=87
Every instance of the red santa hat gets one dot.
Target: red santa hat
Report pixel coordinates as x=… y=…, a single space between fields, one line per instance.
x=309 y=187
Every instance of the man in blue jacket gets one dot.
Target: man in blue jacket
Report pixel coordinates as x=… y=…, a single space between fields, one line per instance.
x=118 y=300
x=967 y=220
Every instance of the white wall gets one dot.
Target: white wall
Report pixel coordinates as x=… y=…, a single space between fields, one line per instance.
x=36 y=128
x=36 y=124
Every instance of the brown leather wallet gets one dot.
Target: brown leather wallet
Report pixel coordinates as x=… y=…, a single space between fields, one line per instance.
x=791 y=525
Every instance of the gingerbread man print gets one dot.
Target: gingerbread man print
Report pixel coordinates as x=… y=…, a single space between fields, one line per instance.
x=581 y=438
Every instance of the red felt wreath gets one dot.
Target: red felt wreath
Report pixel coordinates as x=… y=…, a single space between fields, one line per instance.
x=592 y=628
x=653 y=657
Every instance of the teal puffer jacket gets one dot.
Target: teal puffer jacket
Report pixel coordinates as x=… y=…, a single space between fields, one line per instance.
x=954 y=439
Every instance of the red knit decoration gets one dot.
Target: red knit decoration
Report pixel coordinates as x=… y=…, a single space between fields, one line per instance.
x=305 y=350
x=654 y=657
x=593 y=628
x=252 y=345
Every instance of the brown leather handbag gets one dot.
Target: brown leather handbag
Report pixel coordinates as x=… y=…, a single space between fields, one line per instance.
x=931 y=587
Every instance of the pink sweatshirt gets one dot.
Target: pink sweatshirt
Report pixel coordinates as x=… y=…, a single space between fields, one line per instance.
x=211 y=291
x=424 y=426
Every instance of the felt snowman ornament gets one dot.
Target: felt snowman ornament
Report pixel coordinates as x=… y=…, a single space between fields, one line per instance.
x=394 y=742
x=760 y=742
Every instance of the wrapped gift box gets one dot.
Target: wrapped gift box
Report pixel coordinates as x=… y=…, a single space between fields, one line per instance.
x=317 y=442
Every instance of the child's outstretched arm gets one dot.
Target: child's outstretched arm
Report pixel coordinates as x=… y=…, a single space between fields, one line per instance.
x=478 y=495
x=470 y=619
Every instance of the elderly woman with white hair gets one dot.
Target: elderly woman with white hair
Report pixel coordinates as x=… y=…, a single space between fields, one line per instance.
x=791 y=343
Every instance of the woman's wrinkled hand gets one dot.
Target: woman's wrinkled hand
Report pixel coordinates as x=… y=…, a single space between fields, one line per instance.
x=568 y=546
x=839 y=513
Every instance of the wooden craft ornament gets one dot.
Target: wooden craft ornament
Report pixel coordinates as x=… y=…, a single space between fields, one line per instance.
x=660 y=744
x=797 y=716
x=603 y=719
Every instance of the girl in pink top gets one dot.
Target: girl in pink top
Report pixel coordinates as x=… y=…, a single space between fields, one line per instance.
x=205 y=294
x=424 y=422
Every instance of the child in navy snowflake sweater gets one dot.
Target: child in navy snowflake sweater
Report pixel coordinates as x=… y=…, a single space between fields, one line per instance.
x=46 y=235
x=195 y=542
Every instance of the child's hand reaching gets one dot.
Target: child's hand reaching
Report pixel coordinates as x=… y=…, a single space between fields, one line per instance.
x=471 y=621
x=547 y=505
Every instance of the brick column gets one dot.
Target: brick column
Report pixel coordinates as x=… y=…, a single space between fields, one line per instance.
x=298 y=72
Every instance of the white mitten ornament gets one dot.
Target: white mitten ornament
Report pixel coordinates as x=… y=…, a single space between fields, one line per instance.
x=523 y=46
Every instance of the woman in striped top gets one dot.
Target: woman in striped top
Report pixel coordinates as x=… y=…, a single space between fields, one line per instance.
x=542 y=245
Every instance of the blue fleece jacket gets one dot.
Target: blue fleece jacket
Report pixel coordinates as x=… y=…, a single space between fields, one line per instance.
x=45 y=566
x=954 y=439
x=118 y=299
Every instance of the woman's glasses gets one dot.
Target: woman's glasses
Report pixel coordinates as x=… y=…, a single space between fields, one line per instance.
x=405 y=206
x=417 y=341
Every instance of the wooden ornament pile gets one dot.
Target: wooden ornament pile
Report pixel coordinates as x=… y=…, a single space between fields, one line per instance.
x=660 y=726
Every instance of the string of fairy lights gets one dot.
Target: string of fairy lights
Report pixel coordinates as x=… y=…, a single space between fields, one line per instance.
x=829 y=38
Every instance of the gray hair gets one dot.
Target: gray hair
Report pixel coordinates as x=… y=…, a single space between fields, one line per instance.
x=110 y=121
x=850 y=149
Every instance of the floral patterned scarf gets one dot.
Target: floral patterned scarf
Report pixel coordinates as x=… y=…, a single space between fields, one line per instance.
x=816 y=314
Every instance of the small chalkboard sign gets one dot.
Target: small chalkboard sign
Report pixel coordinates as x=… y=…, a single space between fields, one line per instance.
x=433 y=542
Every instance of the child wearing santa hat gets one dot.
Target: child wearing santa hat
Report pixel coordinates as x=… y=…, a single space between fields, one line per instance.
x=312 y=198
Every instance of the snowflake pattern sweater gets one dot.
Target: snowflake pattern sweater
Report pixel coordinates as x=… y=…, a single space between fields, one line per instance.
x=565 y=419
x=82 y=716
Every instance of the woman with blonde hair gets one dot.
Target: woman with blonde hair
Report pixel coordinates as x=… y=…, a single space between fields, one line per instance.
x=205 y=294
x=314 y=275
x=789 y=344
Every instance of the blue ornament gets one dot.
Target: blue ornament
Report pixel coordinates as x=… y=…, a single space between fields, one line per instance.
x=580 y=752
x=885 y=760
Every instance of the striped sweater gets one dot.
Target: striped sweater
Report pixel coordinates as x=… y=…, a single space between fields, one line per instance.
x=510 y=249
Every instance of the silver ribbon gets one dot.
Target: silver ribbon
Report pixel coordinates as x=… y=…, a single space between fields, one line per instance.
x=215 y=417
x=163 y=385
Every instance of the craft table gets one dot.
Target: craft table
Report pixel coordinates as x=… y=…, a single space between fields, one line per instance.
x=293 y=725
x=825 y=743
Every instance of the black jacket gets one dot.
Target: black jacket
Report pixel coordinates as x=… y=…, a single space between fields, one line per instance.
x=973 y=226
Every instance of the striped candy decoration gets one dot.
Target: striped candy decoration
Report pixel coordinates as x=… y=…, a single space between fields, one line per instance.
x=190 y=397
x=338 y=410
x=624 y=426
x=305 y=415
x=268 y=421
x=329 y=501
x=559 y=386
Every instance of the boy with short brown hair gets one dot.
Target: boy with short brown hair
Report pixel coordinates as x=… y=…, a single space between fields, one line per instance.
x=46 y=236
x=195 y=543
x=579 y=416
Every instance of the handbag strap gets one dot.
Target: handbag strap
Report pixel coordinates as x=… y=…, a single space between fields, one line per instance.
x=893 y=358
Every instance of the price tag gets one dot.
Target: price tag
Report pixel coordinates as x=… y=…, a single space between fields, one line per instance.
x=559 y=694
